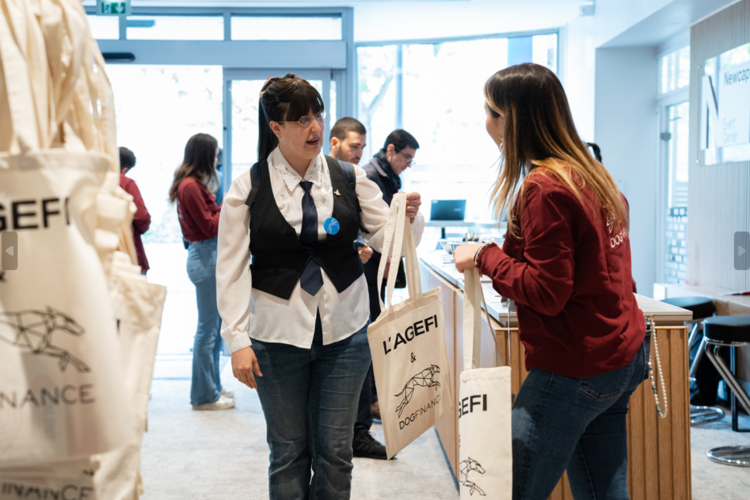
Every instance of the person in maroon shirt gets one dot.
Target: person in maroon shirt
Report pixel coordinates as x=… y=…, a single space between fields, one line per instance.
x=198 y=214
x=141 y=219
x=566 y=264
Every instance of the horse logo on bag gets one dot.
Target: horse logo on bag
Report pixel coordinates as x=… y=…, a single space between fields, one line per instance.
x=470 y=465
x=32 y=331
x=421 y=379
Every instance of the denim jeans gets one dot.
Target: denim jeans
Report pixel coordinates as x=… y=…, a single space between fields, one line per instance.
x=201 y=269
x=309 y=398
x=576 y=425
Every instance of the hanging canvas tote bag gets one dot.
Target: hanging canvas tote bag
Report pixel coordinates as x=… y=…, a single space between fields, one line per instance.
x=484 y=426
x=62 y=393
x=138 y=309
x=407 y=341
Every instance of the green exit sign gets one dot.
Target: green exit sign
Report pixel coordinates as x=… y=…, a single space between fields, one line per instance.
x=113 y=8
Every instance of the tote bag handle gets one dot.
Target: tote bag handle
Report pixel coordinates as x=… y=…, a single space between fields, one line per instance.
x=398 y=241
x=23 y=131
x=472 y=327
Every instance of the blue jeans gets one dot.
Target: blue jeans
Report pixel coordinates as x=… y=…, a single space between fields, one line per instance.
x=309 y=398
x=576 y=425
x=201 y=269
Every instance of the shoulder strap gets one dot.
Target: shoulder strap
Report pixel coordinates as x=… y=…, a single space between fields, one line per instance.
x=347 y=169
x=255 y=176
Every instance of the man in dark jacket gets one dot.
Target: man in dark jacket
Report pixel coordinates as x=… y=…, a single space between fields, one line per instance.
x=384 y=170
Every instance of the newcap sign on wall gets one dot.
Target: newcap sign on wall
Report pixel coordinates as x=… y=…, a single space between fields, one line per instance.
x=725 y=107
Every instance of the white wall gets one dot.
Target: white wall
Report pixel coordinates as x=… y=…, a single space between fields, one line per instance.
x=375 y=21
x=577 y=63
x=627 y=131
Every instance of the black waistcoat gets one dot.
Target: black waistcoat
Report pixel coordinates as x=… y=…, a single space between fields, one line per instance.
x=278 y=258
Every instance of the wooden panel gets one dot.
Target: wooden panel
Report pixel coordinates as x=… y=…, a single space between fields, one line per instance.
x=658 y=449
x=447 y=427
x=487 y=355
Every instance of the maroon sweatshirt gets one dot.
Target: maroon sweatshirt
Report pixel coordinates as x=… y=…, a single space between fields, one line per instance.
x=197 y=211
x=141 y=219
x=570 y=277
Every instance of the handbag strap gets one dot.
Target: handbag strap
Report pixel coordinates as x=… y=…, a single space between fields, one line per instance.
x=472 y=312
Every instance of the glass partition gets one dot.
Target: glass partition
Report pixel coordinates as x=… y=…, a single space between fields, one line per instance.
x=286 y=28
x=175 y=28
x=435 y=92
x=104 y=27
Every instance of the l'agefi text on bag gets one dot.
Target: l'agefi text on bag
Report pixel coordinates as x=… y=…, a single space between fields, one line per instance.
x=408 y=348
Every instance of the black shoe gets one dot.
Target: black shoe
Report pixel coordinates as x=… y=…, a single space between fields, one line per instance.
x=365 y=446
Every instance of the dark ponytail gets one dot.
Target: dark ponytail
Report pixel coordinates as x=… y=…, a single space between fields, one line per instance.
x=595 y=150
x=284 y=99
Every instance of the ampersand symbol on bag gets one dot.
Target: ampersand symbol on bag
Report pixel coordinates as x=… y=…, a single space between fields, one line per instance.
x=413 y=358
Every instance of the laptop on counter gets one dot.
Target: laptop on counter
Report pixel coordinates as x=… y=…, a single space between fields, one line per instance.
x=448 y=210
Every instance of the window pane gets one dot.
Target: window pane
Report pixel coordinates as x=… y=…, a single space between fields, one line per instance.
x=104 y=27
x=175 y=28
x=545 y=51
x=189 y=101
x=286 y=28
x=244 y=131
x=332 y=103
x=443 y=101
x=683 y=79
x=674 y=70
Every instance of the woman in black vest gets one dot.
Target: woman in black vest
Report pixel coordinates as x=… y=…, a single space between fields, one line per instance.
x=296 y=317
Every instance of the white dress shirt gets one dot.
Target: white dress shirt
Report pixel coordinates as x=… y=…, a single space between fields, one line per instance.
x=248 y=312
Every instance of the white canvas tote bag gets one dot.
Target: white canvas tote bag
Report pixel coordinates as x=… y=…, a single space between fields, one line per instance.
x=138 y=309
x=484 y=427
x=62 y=390
x=407 y=341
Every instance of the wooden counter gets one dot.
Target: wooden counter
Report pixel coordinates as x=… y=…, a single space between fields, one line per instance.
x=658 y=449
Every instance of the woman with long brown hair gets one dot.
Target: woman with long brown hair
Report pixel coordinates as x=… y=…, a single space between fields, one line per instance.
x=566 y=264
x=193 y=183
x=292 y=290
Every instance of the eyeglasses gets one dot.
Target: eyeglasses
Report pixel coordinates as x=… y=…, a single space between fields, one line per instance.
x=306 y=120
x=409 y=159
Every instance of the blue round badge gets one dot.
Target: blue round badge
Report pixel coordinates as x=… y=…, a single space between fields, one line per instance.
x=331 y=226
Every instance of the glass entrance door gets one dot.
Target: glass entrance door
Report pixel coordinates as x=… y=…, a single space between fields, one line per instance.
x=241 y=95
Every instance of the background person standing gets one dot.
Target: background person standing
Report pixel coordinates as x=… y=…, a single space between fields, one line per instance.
x=192 y=189
x=385 y=170
x=141 y=219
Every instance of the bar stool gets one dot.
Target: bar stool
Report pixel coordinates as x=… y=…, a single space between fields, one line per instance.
x=730 y=331
x=701 y=307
